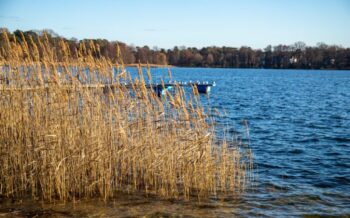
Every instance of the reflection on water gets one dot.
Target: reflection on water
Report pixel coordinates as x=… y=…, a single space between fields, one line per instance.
x=122 y=206
x=300 y=135
x=139 y=206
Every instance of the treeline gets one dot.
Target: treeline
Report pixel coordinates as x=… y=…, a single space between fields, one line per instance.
x=296 y=56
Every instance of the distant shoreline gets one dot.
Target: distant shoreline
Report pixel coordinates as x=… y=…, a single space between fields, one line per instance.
x=243 y=68
x=150 y=65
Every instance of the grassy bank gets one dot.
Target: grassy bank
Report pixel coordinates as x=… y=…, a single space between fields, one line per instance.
x=60 y=139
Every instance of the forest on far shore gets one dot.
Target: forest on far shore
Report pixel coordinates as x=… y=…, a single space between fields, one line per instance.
x=295 y=56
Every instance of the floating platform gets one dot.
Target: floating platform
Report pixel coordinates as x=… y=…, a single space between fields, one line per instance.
x=202 y=87
x=160 y=89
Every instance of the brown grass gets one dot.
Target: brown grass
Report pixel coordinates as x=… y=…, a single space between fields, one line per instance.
x=64 y=138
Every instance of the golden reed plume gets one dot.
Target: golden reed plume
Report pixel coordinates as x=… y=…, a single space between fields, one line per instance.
x=70 y=129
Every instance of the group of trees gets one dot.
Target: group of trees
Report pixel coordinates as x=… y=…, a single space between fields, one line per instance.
x=296 y=56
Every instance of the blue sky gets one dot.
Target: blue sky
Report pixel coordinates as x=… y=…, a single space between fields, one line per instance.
x=192 y=23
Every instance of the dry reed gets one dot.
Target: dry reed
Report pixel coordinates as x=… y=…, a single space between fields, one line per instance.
x=65 y=134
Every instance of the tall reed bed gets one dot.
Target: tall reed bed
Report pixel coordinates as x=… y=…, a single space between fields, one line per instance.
x=65 y=134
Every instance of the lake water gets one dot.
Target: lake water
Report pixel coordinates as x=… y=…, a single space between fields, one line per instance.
x=300 y=135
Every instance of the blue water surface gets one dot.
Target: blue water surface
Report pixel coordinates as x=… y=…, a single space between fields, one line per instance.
x=299 y=124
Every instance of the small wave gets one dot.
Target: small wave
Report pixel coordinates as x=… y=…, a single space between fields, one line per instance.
x=330 y=154
x=342 y=179
x=342 y=164
x=296 y=151
x=337 y=117
x=338 y=139
x=265 y=165
x=343 y=145
x=317 y=126
x=271 y=187
x=325 y=184
x=308 y=140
